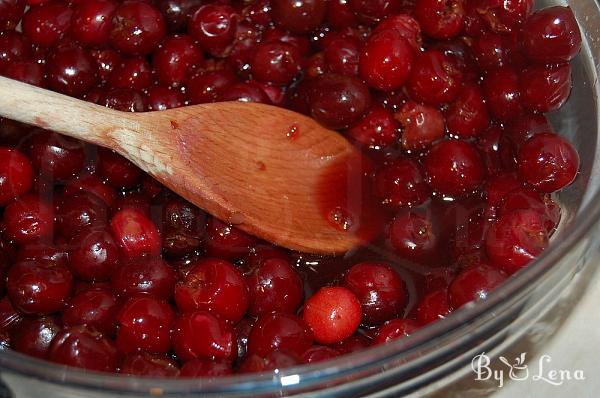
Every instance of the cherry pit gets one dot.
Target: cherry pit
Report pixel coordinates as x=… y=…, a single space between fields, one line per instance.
x=104 y=269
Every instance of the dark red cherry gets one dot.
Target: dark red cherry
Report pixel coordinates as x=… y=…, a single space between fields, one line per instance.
x=474 y=283
x=276 y=63
x=433 y=306
x=468 y=115
x=298 y=16
x=200 y=334
x=145 y=323
x=92 y=22
x=214 y=285
x=133 y=73
x=33 y=336
x=28 y=219
x=226 y=241
x=135 y=233
x=95 y=307
x=402 y=183
x=279 y=332
x=36 y=288
x=386 y=60
x=83 y=348
x=137 y=28
x=414 y=236
x=144 y=275
x=338 y=101
x=16 y=175
x=545 y=88
x=376 y=130
x=548 y=162
x=551 y=35
x=502 y=92
x=274 y=285
x=434 y=79
x=78 y=212
x=174 y=60
x=422 y=125
x=11 y=12
x=214 y=27
x=516 y=239
x=46 y=25
x=56 y=156
x=14 y=47
x=454 y=168
x=379 y=289
x=440 y=19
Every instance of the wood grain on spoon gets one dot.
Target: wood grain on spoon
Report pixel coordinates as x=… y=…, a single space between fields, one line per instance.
x=273 y=173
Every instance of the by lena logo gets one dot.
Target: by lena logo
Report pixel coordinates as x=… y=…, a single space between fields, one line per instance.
x=518 y=370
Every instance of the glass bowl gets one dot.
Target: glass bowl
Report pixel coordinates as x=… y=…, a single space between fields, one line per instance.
x=524 y=310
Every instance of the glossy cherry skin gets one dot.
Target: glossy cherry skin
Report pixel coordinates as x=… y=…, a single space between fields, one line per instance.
x=551 y=35
x=145 y=323
x=175 y=58
x=406 y=25
x=26 y=71
x=123 y=99
x=276 y=63
x=386 y=60
x=338 y=101
x=56 y=156
x=373 y=11
x=39 y=289
x=94 y=255
x=200 y=334
x=548 y=162
x=213 y=26
x=395 y=329
x=78 y=212
x=33 y=336
x=209 y=86
x=516 y=239
x=14 y=46
x=440 y=19
x=144 y=275
x=92 y=184
x=421 y=124
x=83 y=348
x=226 y=241
x=202 y=367
x=454 y=168
x=279 y=332
x=298 y=16
x=16 y=175
x=545 y=88
x=434 y=79
x=401 y=183
x=433 y=306
x=9 y=316
x=96 y=307
x=341 y=55
x=214 y=285
x=118 y=171
x=149 y=365
x=178 y=12
x=133 y=72
x=502 y=92
x=47 y=24
x=11 y=12
x=528 y=198
x=468 y=115
x=28 y=219
x=184 y=227
x=333 y=314
x=274 y=285
x=135 y=233
x=92 y=22
x=137 y=28
x=474 y=283
x=414 y=236
x=377 y=129
x=379 y=289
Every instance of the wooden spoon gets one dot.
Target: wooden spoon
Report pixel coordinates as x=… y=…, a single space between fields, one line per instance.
x=273 y=173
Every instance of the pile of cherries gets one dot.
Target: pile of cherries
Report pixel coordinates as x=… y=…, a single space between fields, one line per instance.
x=102 y=268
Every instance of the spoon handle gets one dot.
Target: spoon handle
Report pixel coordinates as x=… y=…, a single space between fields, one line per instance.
x=70 y=116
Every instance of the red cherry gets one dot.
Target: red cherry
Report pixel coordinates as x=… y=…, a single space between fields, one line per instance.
x=395 y=329
x=83 y=348
x=202 y=335
x=333 y=314
x=474 y=283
